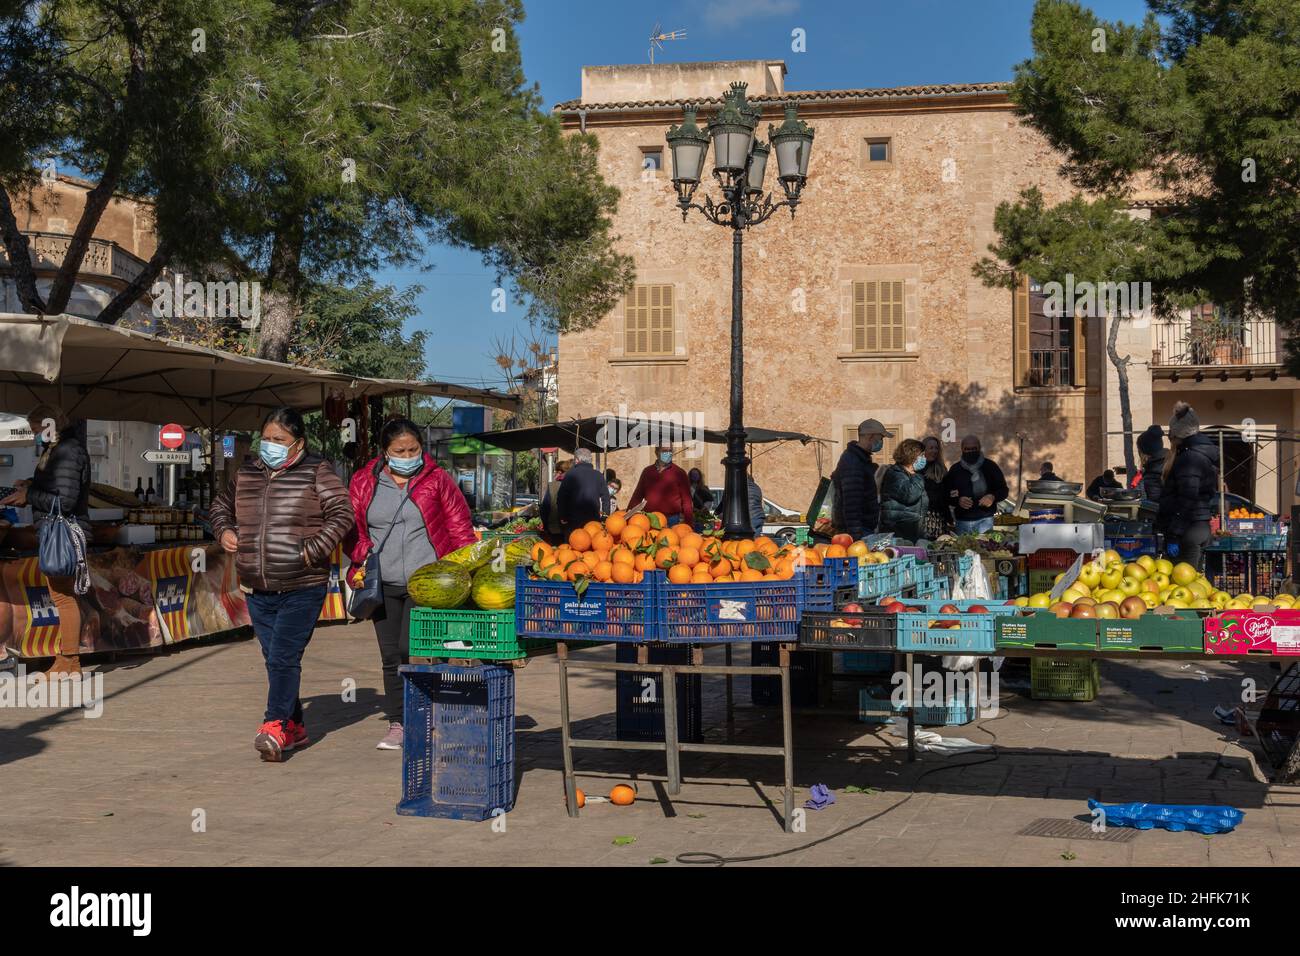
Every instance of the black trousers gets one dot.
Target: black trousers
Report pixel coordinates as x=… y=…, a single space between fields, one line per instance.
x=1191 y=546
x=393 y=631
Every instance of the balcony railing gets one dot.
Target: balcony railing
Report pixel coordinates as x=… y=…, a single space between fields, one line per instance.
x=1193 y=343
x=103 y=257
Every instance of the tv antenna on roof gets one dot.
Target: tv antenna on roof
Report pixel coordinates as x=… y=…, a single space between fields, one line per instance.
x=657 y=39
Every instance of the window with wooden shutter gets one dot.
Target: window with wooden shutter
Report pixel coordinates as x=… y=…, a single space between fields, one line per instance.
x=648 y=320
x=1048 y=351
x=879 y=320
x=1020 y=330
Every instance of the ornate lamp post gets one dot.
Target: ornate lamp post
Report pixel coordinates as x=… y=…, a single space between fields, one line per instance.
x=739 y=165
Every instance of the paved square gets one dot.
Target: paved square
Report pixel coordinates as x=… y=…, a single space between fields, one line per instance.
x=176 y=734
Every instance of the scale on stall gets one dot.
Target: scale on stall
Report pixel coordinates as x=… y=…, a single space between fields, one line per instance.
x=1042 y=498
x=1125 y=503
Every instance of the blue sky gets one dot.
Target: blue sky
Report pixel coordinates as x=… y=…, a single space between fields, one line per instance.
x=850 y=44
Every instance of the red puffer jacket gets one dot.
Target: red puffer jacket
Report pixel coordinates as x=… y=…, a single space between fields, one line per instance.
x=446 y=515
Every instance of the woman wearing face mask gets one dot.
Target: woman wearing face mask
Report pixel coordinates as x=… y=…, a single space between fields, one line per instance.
x=903 y=502
x=938 y=515
x=615 y=486
x=282 y=517
x=409 y=512
x=63 y=477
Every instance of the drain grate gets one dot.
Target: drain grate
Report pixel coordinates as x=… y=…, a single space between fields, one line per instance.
x=1076 y=830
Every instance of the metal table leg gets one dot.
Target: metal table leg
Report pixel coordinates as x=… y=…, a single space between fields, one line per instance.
x=787 y=738
x=911 y=713
x=731 y=710
x=570 y=782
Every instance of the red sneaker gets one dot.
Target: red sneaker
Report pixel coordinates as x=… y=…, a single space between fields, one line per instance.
x=297 y=733
x=273 y=740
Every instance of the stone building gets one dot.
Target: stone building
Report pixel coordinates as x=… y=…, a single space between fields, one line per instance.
x=864 y=304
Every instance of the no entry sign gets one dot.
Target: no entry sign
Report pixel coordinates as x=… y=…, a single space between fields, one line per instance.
x=171 y=436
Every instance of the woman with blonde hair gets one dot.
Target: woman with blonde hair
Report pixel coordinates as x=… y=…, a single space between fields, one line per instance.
x=62 y=481
x=938 y=515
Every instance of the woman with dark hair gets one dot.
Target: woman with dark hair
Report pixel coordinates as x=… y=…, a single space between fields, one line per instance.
x=410 y=512
x=282 y=517
x=62 y=476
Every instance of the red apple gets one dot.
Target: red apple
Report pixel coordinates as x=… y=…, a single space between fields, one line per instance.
x=977 y=609
x=949 y=609
x=1132 y=608
x=943 y=625
x=843 y=540
x=1062 y=608
x=1084 y=610
x=853 y=607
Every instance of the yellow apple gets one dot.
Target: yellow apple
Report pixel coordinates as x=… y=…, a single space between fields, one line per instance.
x=1201 y=604
x=1089 y=574
x=1130 y=586
x=1110 y=556
x=1022 y=601
x=1162 y=579
x=1072 y=594
x=1148 y=563
x=1135 y=571
x=1111 y=577
x=1041 y=599
x=1150 y=599
x=1164 y=565
x=1183 y=573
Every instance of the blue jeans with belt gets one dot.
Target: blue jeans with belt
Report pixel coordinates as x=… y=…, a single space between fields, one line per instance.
x=284 y=622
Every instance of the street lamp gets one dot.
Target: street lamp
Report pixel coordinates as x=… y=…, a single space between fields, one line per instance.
x=739 y=165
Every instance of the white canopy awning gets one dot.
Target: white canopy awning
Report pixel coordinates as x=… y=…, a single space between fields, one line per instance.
x=101 y=371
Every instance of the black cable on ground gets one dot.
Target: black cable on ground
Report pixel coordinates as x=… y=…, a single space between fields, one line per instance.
x=704 y=858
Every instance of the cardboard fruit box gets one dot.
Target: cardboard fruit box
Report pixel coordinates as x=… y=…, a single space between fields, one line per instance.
x=1179 y=631
x=1042 y=628
x=1265 y=632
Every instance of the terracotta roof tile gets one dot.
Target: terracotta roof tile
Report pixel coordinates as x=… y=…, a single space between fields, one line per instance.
x=798 y=96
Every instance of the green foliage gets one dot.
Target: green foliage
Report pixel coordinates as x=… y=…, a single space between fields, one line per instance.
x=1205 y=109
x=358 y=329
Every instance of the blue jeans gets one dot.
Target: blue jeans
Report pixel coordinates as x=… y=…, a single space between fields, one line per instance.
x=284 y=622
x=976 y=526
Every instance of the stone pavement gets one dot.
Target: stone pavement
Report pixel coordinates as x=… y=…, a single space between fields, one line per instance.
x=176 y=738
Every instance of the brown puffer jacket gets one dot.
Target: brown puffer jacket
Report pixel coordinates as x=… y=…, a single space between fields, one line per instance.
x=289 y=522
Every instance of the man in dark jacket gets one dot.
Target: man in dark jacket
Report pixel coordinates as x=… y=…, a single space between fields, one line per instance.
x=975 y=486
x=1187 y=497
x=583 y=494
x=856 y=508
x=1151 y=451
x=1046 y=472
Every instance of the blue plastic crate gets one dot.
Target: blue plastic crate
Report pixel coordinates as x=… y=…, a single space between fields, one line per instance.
x=604 y=612
x=957 y=710
x=1133 y=546
x=458 y=746
x=936 y=589
x=818 y=589
x=639 y=707
x=974 y=633
x=879 y=580
x=722 y=613
x=843 y=571
x=866 y=662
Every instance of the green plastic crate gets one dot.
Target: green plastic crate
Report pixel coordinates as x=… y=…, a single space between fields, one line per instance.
x=490 y=635
x=1058 y=678
x=1154 y=632
x=1040 y=582
x=1045 y=629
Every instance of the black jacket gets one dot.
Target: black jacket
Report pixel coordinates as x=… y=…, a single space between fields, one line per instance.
x=1188 y=496
x=583 y=497
x=1094 y=489
x=856 y=508
x=702 y=498
x=957 y=484
x=1152 y=482
x=903 y=503
x=66 y=475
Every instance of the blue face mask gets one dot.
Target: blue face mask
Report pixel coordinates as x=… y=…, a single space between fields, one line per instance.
x=879 y=445
x=919 y=464
x=405 y=466
x=273 y=455
x=666 y=457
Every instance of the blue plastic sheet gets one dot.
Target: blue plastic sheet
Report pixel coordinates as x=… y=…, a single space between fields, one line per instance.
x=1175 y=817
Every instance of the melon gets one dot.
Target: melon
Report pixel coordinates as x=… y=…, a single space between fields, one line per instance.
x=520 y=550
x=443 y=584
x=494 y=590
x=472 y=556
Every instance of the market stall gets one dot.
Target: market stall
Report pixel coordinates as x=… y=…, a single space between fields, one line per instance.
x=157 y=578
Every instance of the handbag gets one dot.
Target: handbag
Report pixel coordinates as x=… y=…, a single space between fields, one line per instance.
x=369 y=597
x=62 y=549
x=932 y=525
